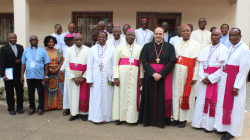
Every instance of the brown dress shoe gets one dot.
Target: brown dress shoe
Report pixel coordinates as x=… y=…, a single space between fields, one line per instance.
x=40 y=112
x=31 y=111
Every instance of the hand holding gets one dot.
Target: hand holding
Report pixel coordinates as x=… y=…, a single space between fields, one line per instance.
x=117 y=82
x=235 y=92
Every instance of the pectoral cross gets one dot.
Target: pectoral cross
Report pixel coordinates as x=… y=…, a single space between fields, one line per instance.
x=101 y=66
x=158 y=60
x=180 y=59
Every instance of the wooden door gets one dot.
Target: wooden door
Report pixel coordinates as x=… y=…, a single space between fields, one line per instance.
x=174 y=19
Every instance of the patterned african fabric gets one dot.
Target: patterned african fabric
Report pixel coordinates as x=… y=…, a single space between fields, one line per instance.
x=126 y=96
x=211 y=60
x=156 y=97
x=54 y=86
x=185 y=70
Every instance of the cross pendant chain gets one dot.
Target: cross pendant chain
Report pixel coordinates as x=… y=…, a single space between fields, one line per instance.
x=158 y=60
x=101 y=66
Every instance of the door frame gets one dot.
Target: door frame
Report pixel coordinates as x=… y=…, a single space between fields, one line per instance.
x=154 y=16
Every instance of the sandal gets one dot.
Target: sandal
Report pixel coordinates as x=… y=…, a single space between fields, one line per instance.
x=66 y=112
x=175 y=123
x=182 y=124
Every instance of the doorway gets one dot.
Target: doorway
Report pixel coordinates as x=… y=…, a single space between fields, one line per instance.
x=174 y=19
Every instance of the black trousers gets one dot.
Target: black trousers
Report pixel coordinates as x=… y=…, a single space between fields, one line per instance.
x=32 y=85
x=9 y=87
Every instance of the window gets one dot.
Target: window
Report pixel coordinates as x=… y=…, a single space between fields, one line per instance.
x=6 y=26
x=86 y=23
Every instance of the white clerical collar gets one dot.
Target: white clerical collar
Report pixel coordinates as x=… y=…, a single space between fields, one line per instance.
x=158 y=43
x=117 y=40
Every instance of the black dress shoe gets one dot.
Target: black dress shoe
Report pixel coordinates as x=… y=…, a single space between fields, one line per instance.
x=206 y=131
x=220 y=133
x=118 y=123
x=227 y=136
x=19 y=111
x=31 y=111
x=168 y=121
x=134 y=124
x=72 y=118
x=84 y=117
x=12 y=112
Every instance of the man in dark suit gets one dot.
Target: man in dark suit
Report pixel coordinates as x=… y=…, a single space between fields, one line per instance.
x=10 y=57
x=168 y=34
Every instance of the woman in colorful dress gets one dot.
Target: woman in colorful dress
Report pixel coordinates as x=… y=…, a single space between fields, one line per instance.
x=54 y=86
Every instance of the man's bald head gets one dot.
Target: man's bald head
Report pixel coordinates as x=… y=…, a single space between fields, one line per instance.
x=71 y=27
x=202 y=23
x=33 y=40
x=12 y=38
x=215 y=36
x=100 y=26
x=159 y=34
x=165 y=26
x=186 y=32
x=78 y=38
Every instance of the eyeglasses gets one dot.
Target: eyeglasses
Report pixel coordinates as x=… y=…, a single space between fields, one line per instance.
x=130 y=35
x=202 y=21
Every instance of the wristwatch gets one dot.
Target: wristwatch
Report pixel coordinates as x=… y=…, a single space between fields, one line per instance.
x=46 y=77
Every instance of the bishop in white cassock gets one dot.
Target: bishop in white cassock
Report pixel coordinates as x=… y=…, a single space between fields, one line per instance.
x=143 y=35
x=77 y=87
x=117 y=39
x=69 y=42
x=128 y=74
x=202 y=35
x=99 y=77
x=210 y=70
x=231 y=103
x=185 y=75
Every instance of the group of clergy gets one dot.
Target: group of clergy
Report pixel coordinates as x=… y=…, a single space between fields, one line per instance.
x=140 y=76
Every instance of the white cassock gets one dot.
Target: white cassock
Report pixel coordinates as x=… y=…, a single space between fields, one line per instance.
x=65 y=94
x=125 y=99
x=143 y=36
x=110 y=36
x=101 y=93
x=211 y=60
x=73 y=90
x=202 y=36
x=239 y=58
x=58 y=39
x=185 y=53
x=115 y=43
x=123 y=36
x=175 y=39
